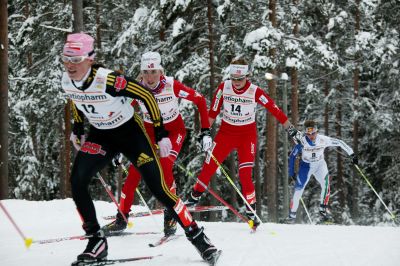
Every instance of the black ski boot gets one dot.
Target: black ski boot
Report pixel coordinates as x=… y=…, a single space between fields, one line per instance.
x=193 y=198
x=203 y=245
x=169 y=222
x=96 y=249
x=116 y=226
x=326 y=216
x=254 y=220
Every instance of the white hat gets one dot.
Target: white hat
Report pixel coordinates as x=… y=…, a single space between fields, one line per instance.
x=241 y=70
x=151 y=60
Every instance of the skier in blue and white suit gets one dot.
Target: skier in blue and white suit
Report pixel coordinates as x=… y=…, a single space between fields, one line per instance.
x=313 y=163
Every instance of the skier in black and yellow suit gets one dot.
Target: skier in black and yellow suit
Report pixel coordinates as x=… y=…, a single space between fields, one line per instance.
x=101 y=95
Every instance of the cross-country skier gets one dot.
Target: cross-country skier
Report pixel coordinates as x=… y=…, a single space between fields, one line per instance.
x=237 y=99
x=167 y=91
x=313 y=163
x=102 y=96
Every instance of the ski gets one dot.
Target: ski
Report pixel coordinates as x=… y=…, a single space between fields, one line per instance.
x=161 y=211
x=214 y=259
x=83 y=237
x=163 y=240
x=111 y=261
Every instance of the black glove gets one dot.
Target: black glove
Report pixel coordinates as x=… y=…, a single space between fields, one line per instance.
x=294 y=134
x=354 y=158
x=78 y=129
x=160 y=133
x=292 y=178
x=116 y=161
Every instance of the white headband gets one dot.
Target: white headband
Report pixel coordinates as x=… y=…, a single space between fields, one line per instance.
x=241 y=70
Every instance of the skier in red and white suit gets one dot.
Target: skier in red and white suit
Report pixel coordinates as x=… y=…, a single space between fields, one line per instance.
x=237 y=98
x=167 y=91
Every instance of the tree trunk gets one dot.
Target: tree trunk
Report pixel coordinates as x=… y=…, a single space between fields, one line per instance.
x=98 y=25
x=29 y=53
x=326 y=115
x=77 y=11
x=294 y=77
x=355 y=183
x=210 y=23
x=66 y=157
x=340 y=181
x=270 y=151
x=3 y=100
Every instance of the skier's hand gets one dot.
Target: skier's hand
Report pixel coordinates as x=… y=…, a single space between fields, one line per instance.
x=294 y=134
x=117 y=160
x=77 y=141
x=205 y=139
x=292 y=178
x=354 y=158
x=164 y=146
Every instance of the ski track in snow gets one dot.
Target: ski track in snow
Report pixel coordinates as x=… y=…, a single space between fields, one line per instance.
x=272 y=245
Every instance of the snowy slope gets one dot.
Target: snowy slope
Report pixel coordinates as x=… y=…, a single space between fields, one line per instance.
x=272 y=245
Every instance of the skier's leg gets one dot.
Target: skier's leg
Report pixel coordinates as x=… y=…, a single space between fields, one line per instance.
x=302 y=180
x=143 y=156
x=93 y=156
x=246 y=155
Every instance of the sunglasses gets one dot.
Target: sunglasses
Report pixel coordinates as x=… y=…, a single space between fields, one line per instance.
x=238 y=78
x=73 y=59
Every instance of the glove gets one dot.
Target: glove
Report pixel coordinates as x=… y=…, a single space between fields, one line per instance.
x=117 y=160
x=160 y=133
x=293 y=178
x=164 y=146
x=294 y=134
x=354 y=158
x=77 y=141
x=205 y=139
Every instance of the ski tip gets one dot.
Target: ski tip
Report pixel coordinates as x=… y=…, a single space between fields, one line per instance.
x=28 y=242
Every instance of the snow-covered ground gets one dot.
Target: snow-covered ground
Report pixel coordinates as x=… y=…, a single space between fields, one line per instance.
x=273 y=244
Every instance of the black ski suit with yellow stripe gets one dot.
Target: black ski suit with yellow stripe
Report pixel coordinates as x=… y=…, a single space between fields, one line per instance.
x=130 y=139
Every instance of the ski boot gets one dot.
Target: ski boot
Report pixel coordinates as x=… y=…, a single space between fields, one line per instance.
x=203 y=245
x=96 y=249
x=326 y=216
x=193 y=198
x=116 y=226
x=169 y=223
x=253 y=220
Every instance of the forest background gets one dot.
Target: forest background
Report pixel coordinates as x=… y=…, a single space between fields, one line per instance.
x=341 y=59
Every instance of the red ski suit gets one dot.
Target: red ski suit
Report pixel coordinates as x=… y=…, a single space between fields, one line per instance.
x=237 y=131
x=166 y=95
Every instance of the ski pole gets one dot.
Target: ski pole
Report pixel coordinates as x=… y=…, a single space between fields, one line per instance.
x=141 y=197
x=305 y=208
x=369 y=183
x=251 y=223
x=28 y=241
x=113 y=199
x=190 y=174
